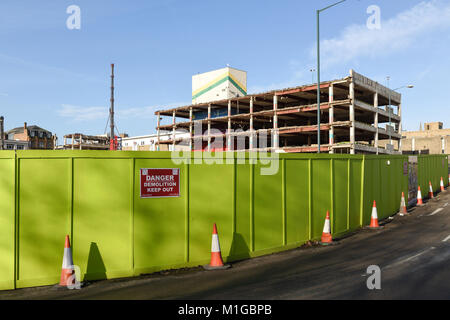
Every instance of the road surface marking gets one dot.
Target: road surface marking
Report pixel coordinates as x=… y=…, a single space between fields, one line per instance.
x=435 y=211
x=409 y=258
x=448 y=237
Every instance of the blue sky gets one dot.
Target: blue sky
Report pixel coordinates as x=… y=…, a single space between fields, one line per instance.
x=59 y=78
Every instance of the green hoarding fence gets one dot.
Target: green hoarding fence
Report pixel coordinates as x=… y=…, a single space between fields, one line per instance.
x=430 y=169
x=94 y=196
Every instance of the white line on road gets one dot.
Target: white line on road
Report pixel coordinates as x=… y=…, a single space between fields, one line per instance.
x=409 y=258
x=448 y=237
x=435 y=211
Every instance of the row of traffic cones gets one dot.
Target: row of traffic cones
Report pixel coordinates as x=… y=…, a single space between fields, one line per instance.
x=326 y=234
x=430 y=191
x=68 y=272
x=68 y=278
x=327 y=238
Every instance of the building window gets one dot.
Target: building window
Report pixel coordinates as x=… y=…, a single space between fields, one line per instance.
x=41 y=145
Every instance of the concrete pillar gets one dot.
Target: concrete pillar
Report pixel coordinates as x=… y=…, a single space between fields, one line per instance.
x=209 y=127
x=400 y=127
x=375 y=104
x=190 y=128
x=251 y=141
x=2 y=132
x=352 y=117
x=173 y=130
x=331 y=117
x=158 y=132
x=229 y=127
x=275 y=137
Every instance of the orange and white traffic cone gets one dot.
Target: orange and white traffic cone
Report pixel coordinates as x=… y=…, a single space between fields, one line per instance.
x=374 y=218
x=403 y=209
x=216 y=256
x=442 y=185
x=430 y=191
x=68 y=271
x=326 y=234
x=419 y=197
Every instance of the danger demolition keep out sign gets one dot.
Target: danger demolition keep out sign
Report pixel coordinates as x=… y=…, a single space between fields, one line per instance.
x=160 y=183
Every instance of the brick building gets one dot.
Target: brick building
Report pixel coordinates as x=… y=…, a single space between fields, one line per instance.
x=433 y=139
x=35 y=137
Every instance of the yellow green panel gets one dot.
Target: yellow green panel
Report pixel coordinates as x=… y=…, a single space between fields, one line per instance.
x=268 y=211
x=210 y=201
x=7 y=204
x=102 y=217
x=159 y=223
x=297 y=201
x=44 y=219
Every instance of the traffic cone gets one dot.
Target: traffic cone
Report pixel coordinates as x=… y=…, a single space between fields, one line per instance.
x=403 y=210
x=326 y=234
x=419 y=197
x=430 y=191
x=68 y=271
x=374 y=219
x=442 y=185
x=216 y=256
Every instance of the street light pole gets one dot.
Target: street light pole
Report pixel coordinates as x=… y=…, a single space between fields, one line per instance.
x=389 y=109
x=389 y=95
x=318 y=70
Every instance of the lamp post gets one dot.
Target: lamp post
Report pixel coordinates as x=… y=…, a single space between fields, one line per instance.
x=318 y=70
x=410 y=86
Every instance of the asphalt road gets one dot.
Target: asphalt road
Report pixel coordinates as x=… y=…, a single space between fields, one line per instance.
x=413 y=253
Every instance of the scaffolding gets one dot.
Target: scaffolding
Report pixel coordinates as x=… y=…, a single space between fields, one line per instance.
x=354 y=107
x=78 y=141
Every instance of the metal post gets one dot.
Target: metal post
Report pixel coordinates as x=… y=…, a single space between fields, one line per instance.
x=275 y=142
x=158 y=132
x=400 y=127
x=375 y=104
x=251 y=125
x=111 y=110
x=209 y=127
x=389 y=110
x=352 y=116
x=2 y=132
x=190 y=128
x=173 y=129
x=331 y=117
x=318 y=70
x=229 y=127
x=318 y=82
